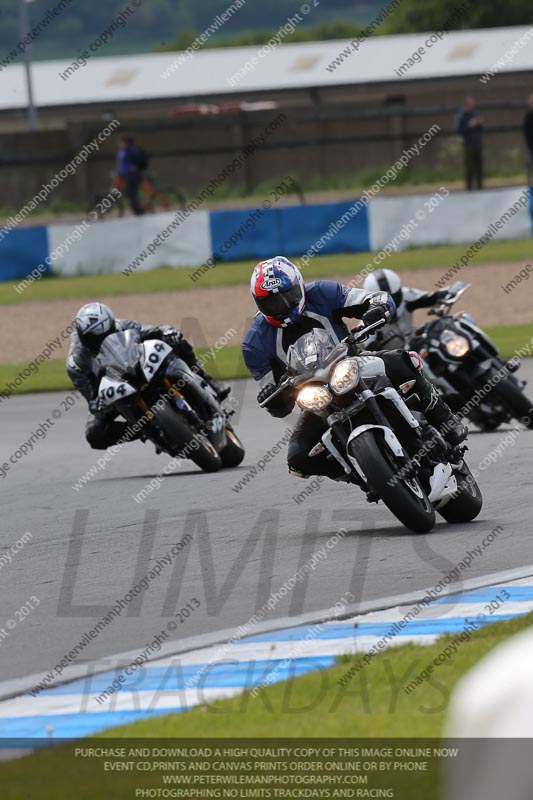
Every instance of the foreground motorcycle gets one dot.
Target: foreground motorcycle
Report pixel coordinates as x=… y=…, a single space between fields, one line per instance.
x=464 y=363
x=171 y=406
x=390 y=452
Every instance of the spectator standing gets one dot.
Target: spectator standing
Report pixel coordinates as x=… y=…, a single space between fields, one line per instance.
x=131 y=161
x=528 y=134
x=469 y=125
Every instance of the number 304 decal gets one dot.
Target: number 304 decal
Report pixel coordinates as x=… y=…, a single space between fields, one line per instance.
x=155 y=352
x=110 y=391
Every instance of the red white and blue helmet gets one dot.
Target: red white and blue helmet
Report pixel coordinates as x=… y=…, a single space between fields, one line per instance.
x=278 y=289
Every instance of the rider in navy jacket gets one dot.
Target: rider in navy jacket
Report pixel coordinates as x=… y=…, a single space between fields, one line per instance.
x=288 y=309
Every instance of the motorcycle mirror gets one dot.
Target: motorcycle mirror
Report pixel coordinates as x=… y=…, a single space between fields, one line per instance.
x=454 y=288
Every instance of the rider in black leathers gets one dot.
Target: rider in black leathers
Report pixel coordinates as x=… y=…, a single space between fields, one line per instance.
x=94 y=322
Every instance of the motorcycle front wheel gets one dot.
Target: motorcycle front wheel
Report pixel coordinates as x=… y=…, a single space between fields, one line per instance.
x=233 y=453
x=185 y=442
x=467 y=501
x=405 y=497
x=515 y=401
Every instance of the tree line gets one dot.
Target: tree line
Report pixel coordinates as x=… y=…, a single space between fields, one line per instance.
x=173 y=24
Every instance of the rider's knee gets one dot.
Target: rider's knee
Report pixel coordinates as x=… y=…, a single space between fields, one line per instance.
x=95 y=435
x=298 y=461
x=415 y=361
x=401 y=363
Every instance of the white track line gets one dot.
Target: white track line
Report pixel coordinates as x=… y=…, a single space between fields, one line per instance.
x=18 y=686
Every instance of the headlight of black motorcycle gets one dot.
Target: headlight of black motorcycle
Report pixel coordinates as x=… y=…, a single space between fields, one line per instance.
x=345 y=376
x=313 y=398
x=454 y=344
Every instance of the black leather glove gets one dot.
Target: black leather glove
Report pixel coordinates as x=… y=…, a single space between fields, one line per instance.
x=282 y=404
x=96 y=406
x=173 y=337
x=265 y=392
x=374 y=314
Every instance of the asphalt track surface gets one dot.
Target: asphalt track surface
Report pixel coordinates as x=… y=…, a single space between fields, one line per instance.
x=90 y=547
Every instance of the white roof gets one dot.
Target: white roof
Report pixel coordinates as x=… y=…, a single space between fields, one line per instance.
x=289 y=66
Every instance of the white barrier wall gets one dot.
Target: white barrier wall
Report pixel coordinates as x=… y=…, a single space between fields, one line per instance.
x=385 y=223
x=459 y=218
x=111 y=245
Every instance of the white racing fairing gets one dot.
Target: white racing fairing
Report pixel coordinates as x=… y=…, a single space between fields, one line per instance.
x=111 y=390
x=154 y=353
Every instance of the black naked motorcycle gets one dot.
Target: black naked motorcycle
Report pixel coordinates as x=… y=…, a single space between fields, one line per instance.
x=464 y=363
x=383 y=447
x=165 y=402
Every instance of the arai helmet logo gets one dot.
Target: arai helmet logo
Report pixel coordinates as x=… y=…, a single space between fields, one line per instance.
x=271 y=283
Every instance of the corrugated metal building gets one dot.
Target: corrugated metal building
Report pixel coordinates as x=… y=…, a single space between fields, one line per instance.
x=359 y=114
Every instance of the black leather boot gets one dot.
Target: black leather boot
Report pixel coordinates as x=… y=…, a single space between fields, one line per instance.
x=221 y=390
x=439 y=414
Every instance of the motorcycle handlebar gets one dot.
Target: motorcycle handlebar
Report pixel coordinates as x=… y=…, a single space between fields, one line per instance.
x=359 y=335
x=451 y=299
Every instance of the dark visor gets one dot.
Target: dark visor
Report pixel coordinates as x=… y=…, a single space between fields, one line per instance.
x=279 y=305
x=93 y=340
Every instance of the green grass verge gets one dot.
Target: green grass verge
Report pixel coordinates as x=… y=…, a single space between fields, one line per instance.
x=372 y=704
x=510 y=338
x=167 y=279
x=227 y=365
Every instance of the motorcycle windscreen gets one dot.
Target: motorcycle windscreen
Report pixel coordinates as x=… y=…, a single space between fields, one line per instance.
x=120 y=352
x=311 y=352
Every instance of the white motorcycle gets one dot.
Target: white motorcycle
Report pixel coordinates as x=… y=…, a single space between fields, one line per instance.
x=389 y=451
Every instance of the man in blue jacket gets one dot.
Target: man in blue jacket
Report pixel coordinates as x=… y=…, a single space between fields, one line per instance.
x=129 y=169
x=469 y=125
x=288 y=309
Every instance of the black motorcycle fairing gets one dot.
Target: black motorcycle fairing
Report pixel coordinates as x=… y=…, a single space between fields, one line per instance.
x=195 y=392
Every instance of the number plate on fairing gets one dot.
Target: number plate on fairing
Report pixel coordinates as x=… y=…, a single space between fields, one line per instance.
x=154 y=353
x=110 y=391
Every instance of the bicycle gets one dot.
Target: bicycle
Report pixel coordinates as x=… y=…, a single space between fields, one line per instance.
x=151 y=198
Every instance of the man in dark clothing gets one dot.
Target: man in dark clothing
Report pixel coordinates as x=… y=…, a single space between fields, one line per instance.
x=129 y=169
x=528 y=126
x=94 y=322
x=470 y=126
x=528 y=134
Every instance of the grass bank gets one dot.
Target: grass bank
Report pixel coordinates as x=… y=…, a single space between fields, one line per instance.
x=372 y=705
x=230 y=274
x=227 y=364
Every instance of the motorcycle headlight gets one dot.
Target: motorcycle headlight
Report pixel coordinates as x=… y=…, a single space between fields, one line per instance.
x=345 y=377
x=313 y=398
x=456 y=345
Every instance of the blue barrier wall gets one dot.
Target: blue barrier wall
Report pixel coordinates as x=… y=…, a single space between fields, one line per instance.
x=293 y=231
x=254 y=234
x=21 y=251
